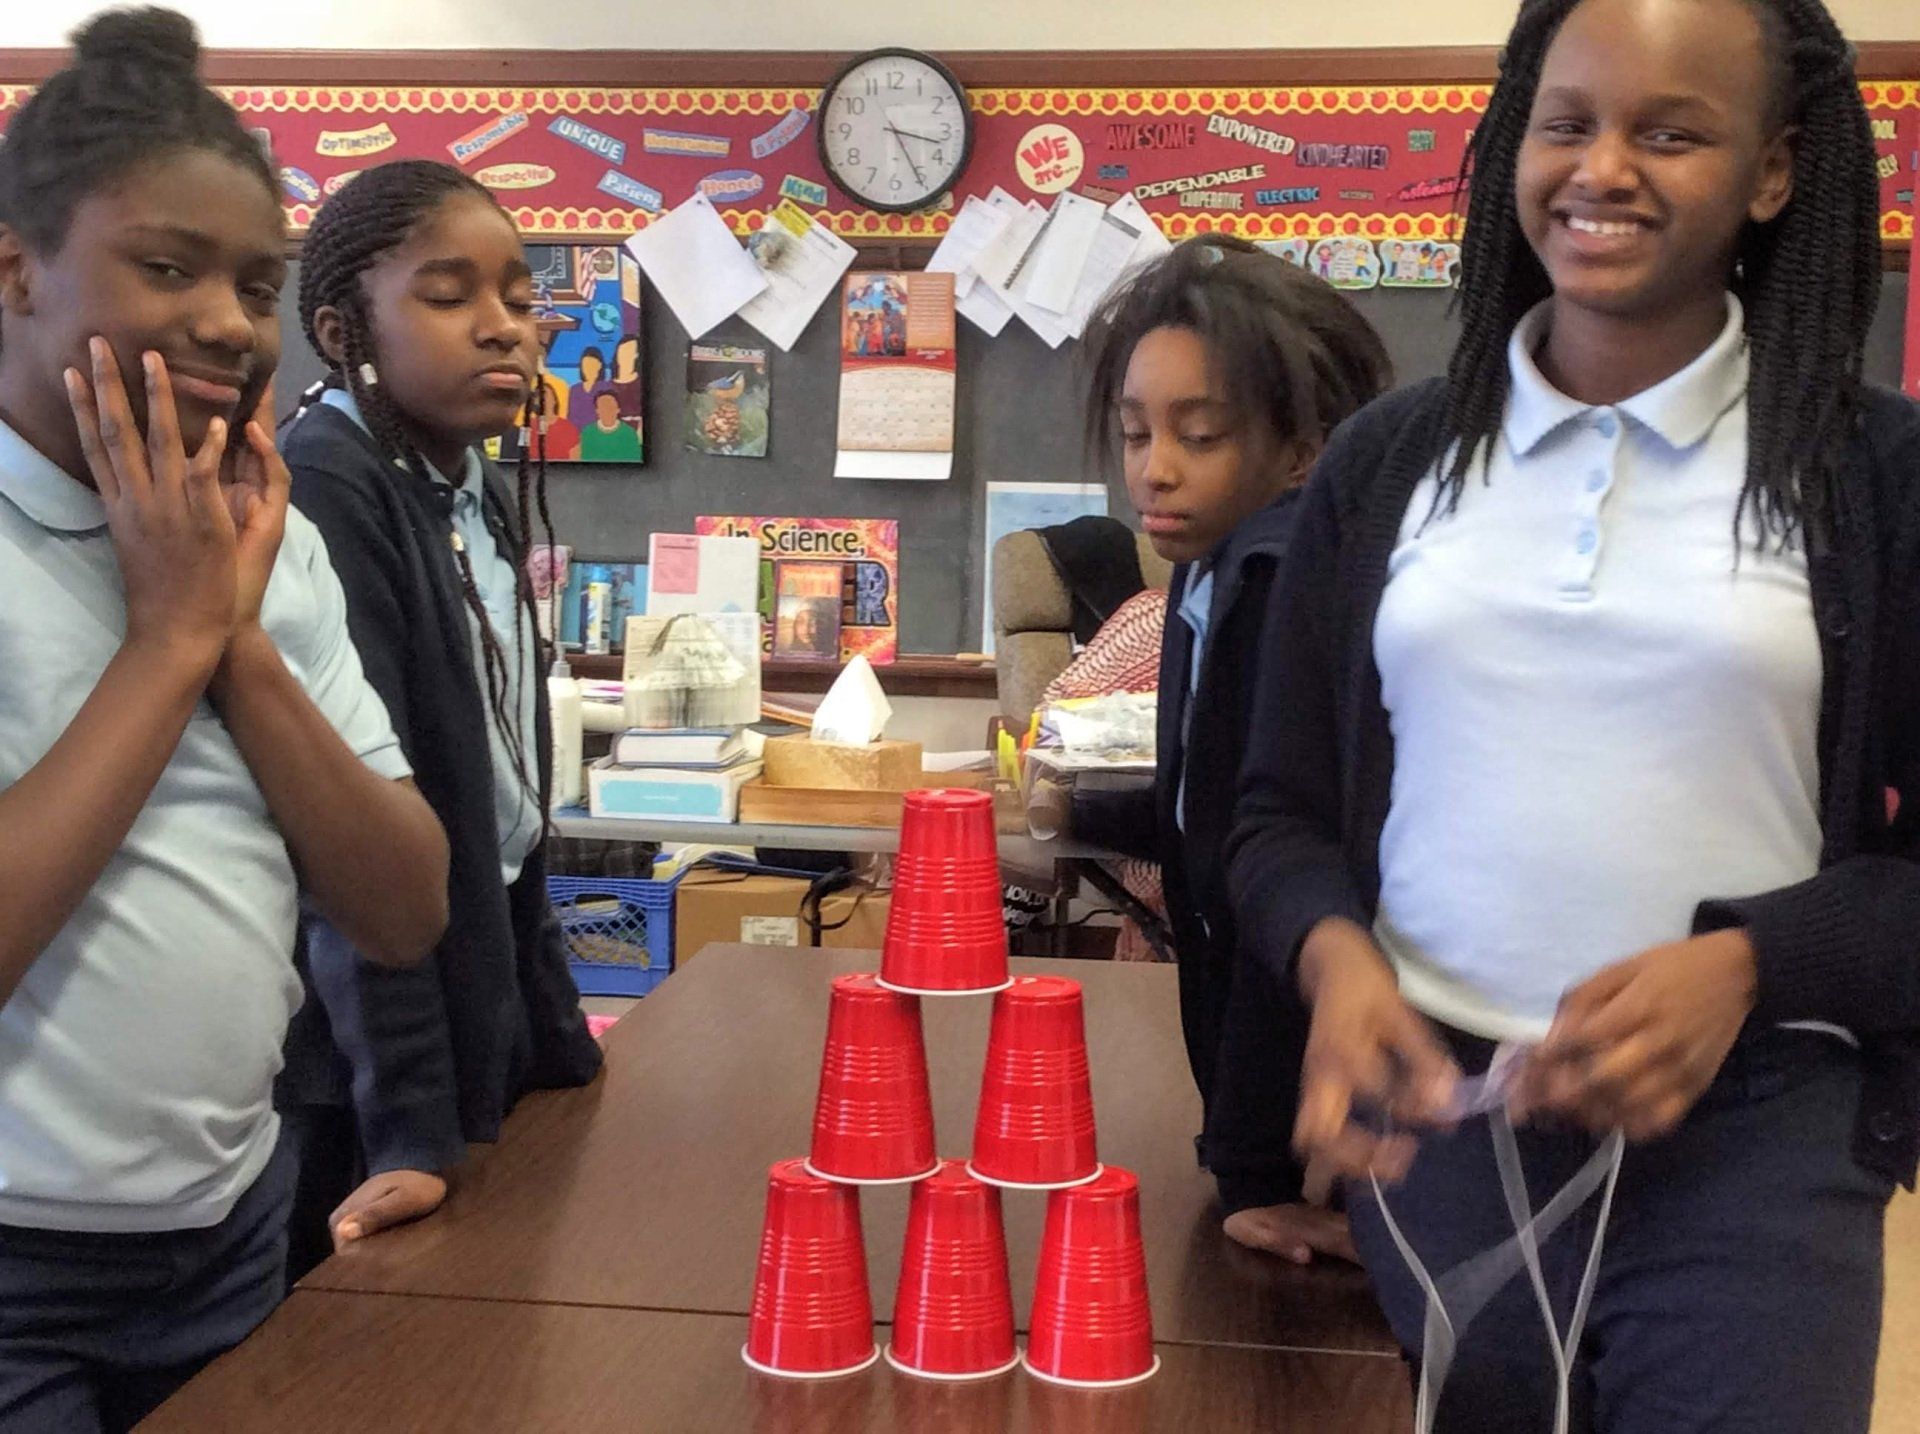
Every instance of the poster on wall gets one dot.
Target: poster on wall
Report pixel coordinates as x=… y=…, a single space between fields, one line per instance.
x=587 y=309
x=868 y=548
x=897 y=376
x=729 y=396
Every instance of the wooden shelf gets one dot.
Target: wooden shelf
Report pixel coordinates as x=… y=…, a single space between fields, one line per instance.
x=912 y=675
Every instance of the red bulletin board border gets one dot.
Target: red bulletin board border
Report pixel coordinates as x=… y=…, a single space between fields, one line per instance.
x=1374 y=160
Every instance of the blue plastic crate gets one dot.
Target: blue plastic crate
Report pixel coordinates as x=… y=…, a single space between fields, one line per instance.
x=619 y=931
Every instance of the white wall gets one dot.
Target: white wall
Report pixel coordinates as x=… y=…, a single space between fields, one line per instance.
x=851 y=24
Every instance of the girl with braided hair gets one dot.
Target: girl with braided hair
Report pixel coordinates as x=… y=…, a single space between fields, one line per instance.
x=415 y=290
x=1584 y=685
x=189 y=751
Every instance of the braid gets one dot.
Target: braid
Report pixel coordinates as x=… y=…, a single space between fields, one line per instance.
x=1808 y=280
x=367 y=219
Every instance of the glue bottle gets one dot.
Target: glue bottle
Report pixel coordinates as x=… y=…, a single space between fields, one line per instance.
x=566 y=713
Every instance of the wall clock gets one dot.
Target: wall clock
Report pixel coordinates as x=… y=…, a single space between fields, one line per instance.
x=895 y=130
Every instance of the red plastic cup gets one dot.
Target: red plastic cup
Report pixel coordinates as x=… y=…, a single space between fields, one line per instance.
x=1092 y=1325
x=1034 y=1129
x=946 y=935
x=873 y=1119
x=812 y=1317
x=953 y=1315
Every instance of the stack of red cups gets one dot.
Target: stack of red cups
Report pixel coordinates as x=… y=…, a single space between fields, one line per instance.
x=953 y=1316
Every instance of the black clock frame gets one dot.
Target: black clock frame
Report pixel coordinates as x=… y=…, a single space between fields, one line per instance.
x=822 y=106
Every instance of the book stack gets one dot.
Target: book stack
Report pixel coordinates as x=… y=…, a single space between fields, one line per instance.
x=690 y=774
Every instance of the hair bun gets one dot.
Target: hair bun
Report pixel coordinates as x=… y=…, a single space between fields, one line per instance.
x=148 y=36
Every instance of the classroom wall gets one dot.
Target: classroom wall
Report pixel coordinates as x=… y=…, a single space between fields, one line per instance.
x=1018 y=418
x=835 y=25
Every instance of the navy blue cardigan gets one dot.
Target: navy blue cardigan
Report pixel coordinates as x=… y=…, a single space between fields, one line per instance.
x=1842 y=947
x=435 y=1056
x=1245 y=1033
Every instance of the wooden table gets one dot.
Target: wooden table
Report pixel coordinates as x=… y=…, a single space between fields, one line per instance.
x=646 y=1190
x=593 y=1270
x=394 y=1364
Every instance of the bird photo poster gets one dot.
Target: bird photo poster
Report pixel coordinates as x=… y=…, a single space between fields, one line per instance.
x=729 y=397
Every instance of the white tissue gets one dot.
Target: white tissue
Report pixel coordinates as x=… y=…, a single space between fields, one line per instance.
x=855 y=711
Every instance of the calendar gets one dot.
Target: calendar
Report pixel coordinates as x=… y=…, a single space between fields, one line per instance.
x=897 y=376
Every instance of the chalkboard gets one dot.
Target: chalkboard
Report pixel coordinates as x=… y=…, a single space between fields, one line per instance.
x=1019 y=419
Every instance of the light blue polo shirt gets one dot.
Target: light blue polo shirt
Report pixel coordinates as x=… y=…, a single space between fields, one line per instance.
x=516 y=809
x=138 y=1054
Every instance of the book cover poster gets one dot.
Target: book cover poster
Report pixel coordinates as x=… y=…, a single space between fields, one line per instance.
x=897 y=376
x=587 y=309
x=808 y=600
x=729 y=394
x=870 y=594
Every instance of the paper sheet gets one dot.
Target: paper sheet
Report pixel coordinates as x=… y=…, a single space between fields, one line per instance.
x=1001 y=255
x=1050 y=273
x=985 y=310
x=697 y=265
x=974 y=227
x=687 y=573
x=802 y=263
x=1048 y=326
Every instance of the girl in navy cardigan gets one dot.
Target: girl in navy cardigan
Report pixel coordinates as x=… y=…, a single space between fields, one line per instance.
x=1217 y=373
x=1586 y=680
x=415 y=289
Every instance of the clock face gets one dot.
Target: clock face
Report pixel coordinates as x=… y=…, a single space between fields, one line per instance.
x=895 y=130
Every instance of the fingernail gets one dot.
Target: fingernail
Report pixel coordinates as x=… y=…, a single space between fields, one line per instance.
x=350 y=1230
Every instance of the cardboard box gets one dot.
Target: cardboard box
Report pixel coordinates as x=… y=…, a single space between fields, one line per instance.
x=669 y=793
x=883 y=766
x=714 y=906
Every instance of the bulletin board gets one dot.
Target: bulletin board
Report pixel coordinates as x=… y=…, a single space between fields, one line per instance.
x=1373 y=160
x=563 y=140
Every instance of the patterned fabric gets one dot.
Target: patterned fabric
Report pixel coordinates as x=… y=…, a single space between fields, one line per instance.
x=1124 y=656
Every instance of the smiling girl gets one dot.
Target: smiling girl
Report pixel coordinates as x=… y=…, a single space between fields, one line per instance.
x=416 y=292
x=1589 y=673
x=188 y=748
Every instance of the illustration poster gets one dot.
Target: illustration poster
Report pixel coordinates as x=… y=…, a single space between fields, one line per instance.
x=587 y=308
x=809 y=602
x=729 y=395
x=870 y=597
x=1345 y=263
x=897 y=376
x=1418 y=264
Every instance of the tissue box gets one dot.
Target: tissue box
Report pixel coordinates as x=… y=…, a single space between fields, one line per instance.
x=667 y=793
x=883 y=766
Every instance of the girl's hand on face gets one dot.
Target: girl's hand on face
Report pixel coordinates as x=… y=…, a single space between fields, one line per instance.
x=256 y=484
x=1634 y=1047
x=170 y=523
x=1365 y=1047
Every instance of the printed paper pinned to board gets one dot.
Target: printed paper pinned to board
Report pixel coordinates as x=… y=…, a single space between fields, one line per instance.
x=897 y=376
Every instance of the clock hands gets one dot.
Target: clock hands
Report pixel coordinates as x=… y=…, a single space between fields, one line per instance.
x=898 y=139
x=909 y=134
